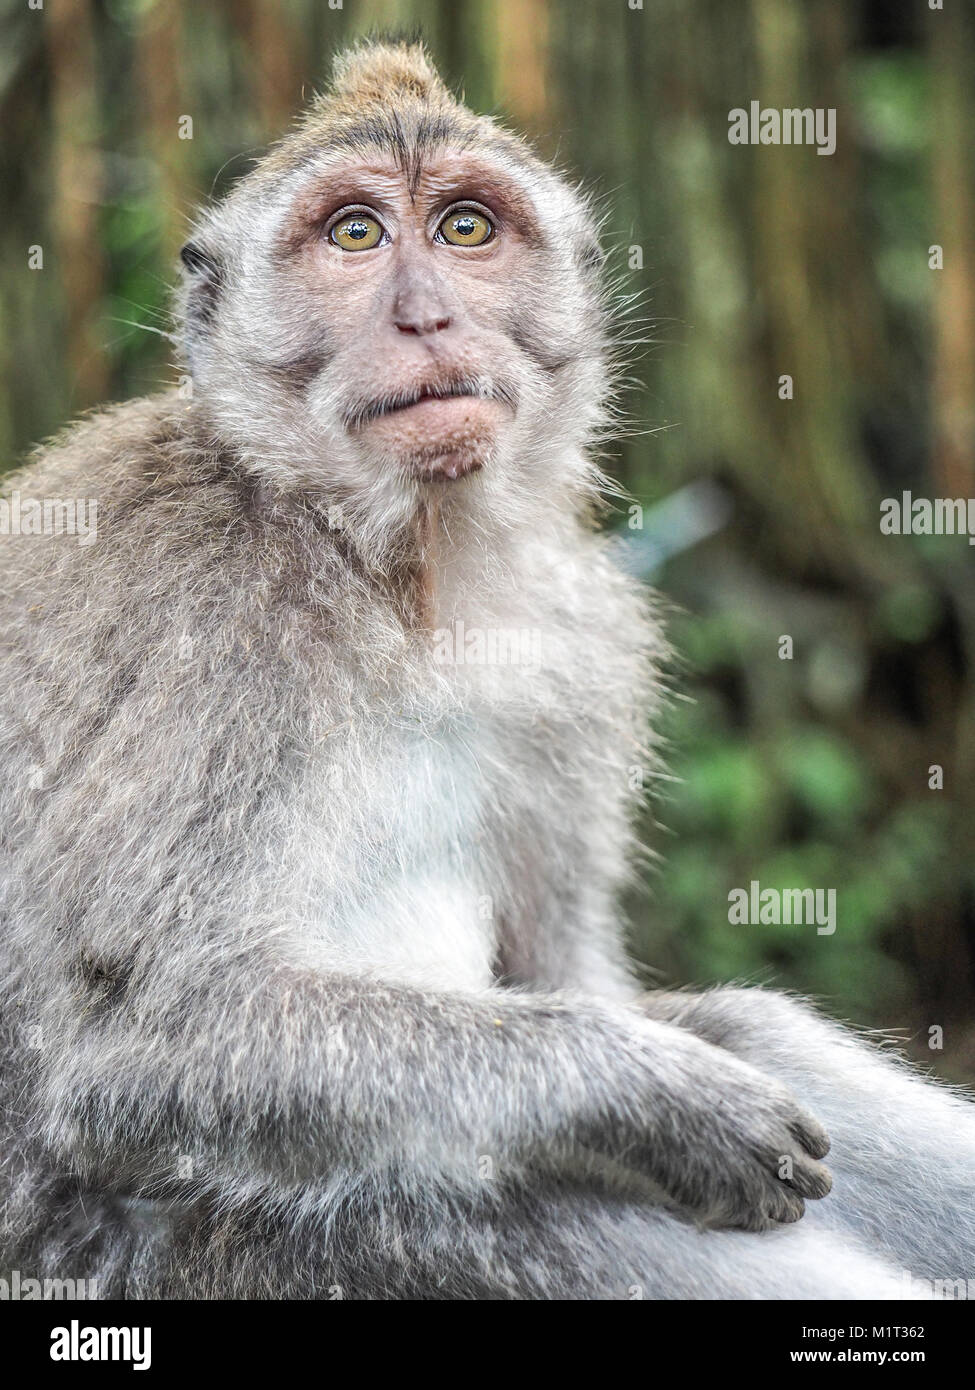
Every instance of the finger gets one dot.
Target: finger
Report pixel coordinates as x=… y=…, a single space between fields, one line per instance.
x=811 y=1179
x=811 y=1135
x=787 y=1207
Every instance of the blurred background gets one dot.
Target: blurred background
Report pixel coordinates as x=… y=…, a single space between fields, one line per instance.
x=760 y=515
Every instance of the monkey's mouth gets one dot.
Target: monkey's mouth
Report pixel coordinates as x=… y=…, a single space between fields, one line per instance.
x=365 y=412
x=437 y=431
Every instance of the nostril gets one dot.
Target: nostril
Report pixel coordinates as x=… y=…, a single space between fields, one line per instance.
x=426 y=326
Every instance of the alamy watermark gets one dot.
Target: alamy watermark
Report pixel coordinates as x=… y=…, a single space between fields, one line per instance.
x=913 y=1286
x=908 y=515
x=21 y=1288
x=487 y=646
x=78 y=1343
x=756 y=906
x=794 y=125
x=49 y=516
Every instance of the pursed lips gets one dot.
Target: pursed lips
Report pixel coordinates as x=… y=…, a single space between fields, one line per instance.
x=429 y=394
x=366 y=412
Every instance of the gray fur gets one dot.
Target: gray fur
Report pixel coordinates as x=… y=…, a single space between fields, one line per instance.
x=312 y=977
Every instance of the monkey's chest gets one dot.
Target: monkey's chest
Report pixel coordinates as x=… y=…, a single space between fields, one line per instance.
x=398 y=856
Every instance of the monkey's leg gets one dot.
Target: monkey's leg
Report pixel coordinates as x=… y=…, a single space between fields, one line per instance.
x=903 y=1147
x=582 y=1246
x=512 y=1241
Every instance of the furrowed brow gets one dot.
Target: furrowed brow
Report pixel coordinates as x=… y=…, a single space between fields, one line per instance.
x=484 y=181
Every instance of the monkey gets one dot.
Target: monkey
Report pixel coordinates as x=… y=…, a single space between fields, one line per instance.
x=313 y=980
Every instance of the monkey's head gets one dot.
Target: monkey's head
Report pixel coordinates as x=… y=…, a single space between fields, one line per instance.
x=400 y=301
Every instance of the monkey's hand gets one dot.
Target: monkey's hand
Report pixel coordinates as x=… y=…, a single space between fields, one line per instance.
x=723 y=1141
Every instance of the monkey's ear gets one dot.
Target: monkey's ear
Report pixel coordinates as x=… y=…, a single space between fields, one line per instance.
x=205 y=278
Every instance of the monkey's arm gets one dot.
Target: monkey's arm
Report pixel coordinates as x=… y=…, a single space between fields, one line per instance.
x=294 y=1075
x=903 y=1150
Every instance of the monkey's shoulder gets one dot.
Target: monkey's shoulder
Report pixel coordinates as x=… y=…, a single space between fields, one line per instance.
x=109 y=450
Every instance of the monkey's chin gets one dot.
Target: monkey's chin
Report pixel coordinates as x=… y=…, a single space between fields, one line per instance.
x=441 y=441
x=446 y=468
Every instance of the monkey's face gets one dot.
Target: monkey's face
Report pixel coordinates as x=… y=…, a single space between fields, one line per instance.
x=416 y=293
x=385 y=326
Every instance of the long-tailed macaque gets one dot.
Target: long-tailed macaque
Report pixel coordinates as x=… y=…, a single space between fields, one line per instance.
x=317 y=800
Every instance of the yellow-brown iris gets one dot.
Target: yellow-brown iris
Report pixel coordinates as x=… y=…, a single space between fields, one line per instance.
x=465 y=227
x=357 y=232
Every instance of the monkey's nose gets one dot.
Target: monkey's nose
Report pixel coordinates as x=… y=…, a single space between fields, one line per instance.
x=421 y=323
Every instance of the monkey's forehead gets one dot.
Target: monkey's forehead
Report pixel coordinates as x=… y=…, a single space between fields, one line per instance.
x=408 y=129
x=413 y=136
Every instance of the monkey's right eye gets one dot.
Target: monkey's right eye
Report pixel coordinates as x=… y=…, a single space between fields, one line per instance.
x=357 y=232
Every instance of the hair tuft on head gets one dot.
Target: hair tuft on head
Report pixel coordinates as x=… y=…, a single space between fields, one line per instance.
x=375 y=69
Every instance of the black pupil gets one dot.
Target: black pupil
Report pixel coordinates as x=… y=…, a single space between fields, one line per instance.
x=357 y=230
x=465 y=226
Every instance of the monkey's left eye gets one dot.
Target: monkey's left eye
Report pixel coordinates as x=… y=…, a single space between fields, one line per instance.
x=465 y=227
x=357 y=232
